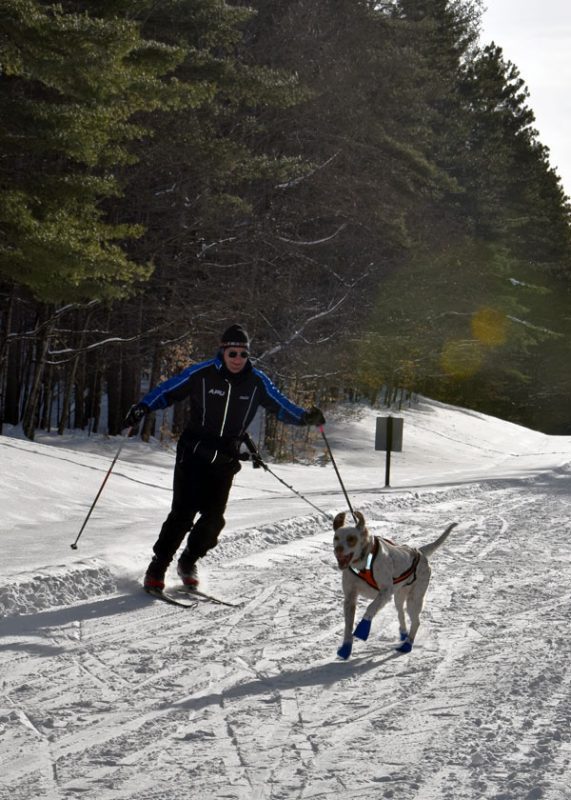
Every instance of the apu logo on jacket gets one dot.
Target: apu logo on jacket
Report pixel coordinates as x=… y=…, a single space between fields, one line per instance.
x=220 y=392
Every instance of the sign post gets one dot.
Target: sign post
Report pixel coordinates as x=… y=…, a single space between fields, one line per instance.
x=388 y=437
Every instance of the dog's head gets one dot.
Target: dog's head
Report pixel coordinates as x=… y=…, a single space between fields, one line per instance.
x=350 y=542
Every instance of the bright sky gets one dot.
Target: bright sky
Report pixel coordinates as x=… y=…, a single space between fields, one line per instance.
x=536 y=37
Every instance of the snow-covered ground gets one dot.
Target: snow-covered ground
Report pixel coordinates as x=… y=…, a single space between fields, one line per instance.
x=108 y=694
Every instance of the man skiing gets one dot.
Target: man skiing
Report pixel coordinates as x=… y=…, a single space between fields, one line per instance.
x=225 y=393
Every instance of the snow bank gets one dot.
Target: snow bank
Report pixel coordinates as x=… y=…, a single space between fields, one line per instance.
x=56 y=586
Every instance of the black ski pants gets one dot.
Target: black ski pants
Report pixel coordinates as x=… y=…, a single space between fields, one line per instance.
x=198 y=488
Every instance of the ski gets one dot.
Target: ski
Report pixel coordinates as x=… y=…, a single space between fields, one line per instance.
x=167 y=598
x=189 y=592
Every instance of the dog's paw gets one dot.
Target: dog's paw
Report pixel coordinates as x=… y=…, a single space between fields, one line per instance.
x=363 y=630
x=345 y=650
x=405 y=647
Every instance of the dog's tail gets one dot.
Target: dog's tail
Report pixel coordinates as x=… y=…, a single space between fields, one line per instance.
x=428 y=549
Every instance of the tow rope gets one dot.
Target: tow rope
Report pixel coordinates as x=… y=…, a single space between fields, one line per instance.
x=338 y=474
x=366 y=574
x=257 y=461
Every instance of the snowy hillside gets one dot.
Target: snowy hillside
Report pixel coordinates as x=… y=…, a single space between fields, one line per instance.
x=108 y=694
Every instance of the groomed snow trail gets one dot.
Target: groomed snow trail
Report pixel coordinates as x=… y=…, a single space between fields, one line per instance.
x=120 y=697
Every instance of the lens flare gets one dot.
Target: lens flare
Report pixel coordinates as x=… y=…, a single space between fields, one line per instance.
x=461 y=358
x=489 y=326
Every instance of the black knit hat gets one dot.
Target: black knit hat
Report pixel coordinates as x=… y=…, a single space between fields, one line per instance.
x=235 y=336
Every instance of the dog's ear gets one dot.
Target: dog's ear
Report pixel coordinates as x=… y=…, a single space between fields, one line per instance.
x=360 y=519
x=339 y=520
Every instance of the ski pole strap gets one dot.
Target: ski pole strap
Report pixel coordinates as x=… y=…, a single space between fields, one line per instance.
x=337 y=473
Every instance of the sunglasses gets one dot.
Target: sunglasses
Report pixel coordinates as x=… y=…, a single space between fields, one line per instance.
x=236 y=353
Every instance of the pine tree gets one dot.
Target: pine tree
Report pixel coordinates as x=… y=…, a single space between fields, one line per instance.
x=70 y=85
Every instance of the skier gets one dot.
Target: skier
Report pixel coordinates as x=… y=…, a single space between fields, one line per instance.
x=225 y=393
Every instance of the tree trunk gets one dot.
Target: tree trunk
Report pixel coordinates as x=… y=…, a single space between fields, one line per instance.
x=113 y=380
x=93 y=404
x=46 y=417
x=150 y=421
x=64 y=419
x=80 y=414
x=9 y=367
x=30 y=413
x=130 y=381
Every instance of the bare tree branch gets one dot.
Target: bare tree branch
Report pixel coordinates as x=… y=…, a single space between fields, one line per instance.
x=307 y=175
x=315 y=241
x=299 y=333
x=12 y=337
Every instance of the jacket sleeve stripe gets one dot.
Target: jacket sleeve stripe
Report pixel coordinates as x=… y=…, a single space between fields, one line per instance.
x=288 y=412
x=158 y=397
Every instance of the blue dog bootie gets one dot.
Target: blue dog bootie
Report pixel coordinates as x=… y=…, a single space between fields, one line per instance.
x=345 y=650
x=363 y=630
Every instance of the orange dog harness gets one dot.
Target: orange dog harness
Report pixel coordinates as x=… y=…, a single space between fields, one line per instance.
x=366 y=574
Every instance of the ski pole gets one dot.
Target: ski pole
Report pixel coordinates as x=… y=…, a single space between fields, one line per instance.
x=337 y=472
x=109 y=471
x=258 y=462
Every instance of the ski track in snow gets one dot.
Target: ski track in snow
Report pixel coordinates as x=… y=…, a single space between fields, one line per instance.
x=114 y=695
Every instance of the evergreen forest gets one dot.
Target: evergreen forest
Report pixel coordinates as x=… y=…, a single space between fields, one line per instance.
x=359 y=183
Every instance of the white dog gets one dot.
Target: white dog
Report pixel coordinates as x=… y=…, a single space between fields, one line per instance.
x=378 y=569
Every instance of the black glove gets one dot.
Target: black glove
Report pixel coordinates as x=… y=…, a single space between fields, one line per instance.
x=255 y=458
x=135 y=415
x=314 y=416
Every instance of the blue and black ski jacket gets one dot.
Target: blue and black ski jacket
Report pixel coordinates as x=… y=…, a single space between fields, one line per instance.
x=222 y=405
